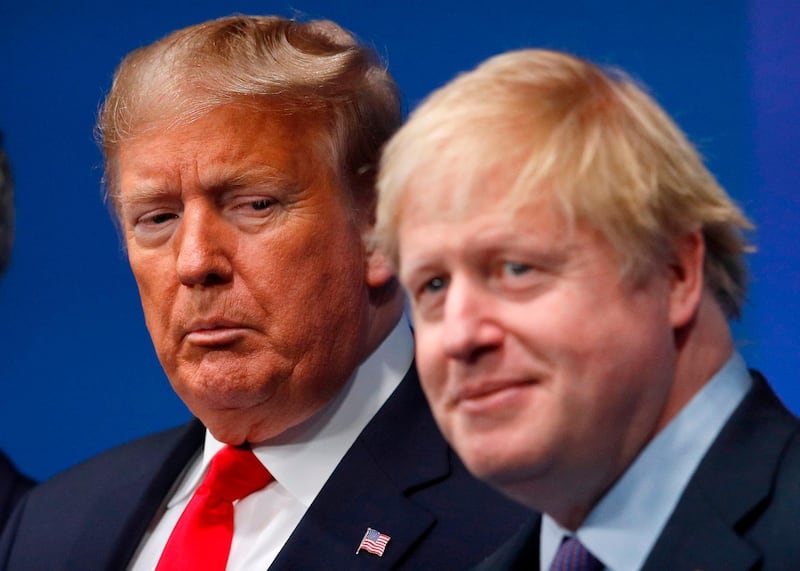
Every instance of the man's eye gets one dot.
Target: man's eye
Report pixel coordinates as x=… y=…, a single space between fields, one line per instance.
x=434 y=285
x=252 y=206
x=155 y=219
x=161 y=218
x=262 y=203
x=428 y=296
x=516 y=268
x=155 y=227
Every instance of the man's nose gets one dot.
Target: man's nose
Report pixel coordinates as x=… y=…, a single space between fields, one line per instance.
x=471 y=327
x=202 y=248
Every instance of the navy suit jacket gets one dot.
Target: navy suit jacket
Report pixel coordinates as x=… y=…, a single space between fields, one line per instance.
x=12 y=486
x=740 y=511
x=399 y=477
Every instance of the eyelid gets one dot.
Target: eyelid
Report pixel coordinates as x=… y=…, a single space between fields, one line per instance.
x=257 y=206
x=138 y=204
x=421 y=288
x=150 y=232
x=150 y=217
x=516 y=265
x=436 y=278
x=245 y=197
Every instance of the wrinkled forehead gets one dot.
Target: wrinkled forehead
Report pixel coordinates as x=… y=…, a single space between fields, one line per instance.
x=304 y=130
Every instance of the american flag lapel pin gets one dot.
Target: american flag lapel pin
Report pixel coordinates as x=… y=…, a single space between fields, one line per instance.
x=373 y=541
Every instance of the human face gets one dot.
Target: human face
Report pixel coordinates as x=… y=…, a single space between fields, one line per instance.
x=250 y=267
x=545 y=370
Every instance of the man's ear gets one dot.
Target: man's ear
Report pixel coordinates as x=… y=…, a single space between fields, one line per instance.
x=686 y=278
x=379 y=270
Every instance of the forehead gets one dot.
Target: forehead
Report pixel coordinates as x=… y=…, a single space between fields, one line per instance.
x=475 y=220
x=443 y=191
x=222 y=128
x=228 y=142
x=489 y=212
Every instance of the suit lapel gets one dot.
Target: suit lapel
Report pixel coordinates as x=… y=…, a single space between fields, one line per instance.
x=731 y=484
x=399 y=453
x=520 y=553
x=117 y=518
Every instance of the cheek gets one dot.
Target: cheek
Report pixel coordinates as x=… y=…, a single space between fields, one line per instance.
x=573 y=325
x=156 y=293
x=310 y=256
x=151 y=269
x=618 y=364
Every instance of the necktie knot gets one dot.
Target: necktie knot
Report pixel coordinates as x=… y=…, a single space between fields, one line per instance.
x=235 y=473
x=573 y=556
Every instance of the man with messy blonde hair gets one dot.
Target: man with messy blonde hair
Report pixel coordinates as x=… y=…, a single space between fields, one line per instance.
x=572 y=266
x=240 y=160
x=572 y=127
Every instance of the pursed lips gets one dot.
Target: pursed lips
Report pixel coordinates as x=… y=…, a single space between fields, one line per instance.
x=214 y=331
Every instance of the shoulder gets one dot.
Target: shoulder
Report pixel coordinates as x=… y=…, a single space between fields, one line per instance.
x=750 y=482
x=92 y=515
x=127 y=461
x=774 y=525
x=11 y=480
x=125 y=469
x=12 y=486
x=784 y=505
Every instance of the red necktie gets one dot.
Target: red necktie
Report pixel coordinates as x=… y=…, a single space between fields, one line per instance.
x=202 y=537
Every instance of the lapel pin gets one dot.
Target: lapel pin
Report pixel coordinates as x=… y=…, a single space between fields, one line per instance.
x=373 y=541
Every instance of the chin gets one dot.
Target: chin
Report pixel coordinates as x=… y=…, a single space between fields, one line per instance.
x=235 y=426
x=253 y=419
x=482 y=460
x=489 y=460
x=221 y=392
x=226 y=433
x=230 y=415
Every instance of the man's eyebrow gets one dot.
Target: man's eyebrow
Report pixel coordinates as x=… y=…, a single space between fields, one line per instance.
x=263 y=176
x=144 y=193
x=254 y=176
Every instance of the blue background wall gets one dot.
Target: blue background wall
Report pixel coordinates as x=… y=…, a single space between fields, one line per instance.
x=77 y=371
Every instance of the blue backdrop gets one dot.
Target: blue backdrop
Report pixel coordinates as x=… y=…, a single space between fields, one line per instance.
x=78 y=372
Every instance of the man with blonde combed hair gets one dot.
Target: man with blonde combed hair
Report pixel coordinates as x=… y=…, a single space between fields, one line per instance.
x=316 y=68
x=241 y=157
x=572 y=266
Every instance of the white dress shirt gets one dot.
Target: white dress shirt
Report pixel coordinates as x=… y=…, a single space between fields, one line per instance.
x=623 y=527
x=301 y=460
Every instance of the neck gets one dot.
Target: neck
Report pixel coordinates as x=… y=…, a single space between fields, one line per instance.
x=703 y=347
x=386 y=309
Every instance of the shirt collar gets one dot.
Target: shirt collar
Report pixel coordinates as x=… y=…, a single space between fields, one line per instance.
x=302 y=458
x=623 y=527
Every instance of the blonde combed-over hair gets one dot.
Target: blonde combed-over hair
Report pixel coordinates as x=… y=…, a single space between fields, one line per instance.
x=266 y=62
x=590 y=140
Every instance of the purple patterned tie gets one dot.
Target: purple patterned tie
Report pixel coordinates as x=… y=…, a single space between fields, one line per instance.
x=572 y=556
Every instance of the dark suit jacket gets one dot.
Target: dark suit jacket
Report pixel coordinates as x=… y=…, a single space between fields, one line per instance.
x=399 y=477
x=12 y=486
x=740 y=511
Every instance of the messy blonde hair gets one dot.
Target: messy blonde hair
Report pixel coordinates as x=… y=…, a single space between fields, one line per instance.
x=591 y=140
